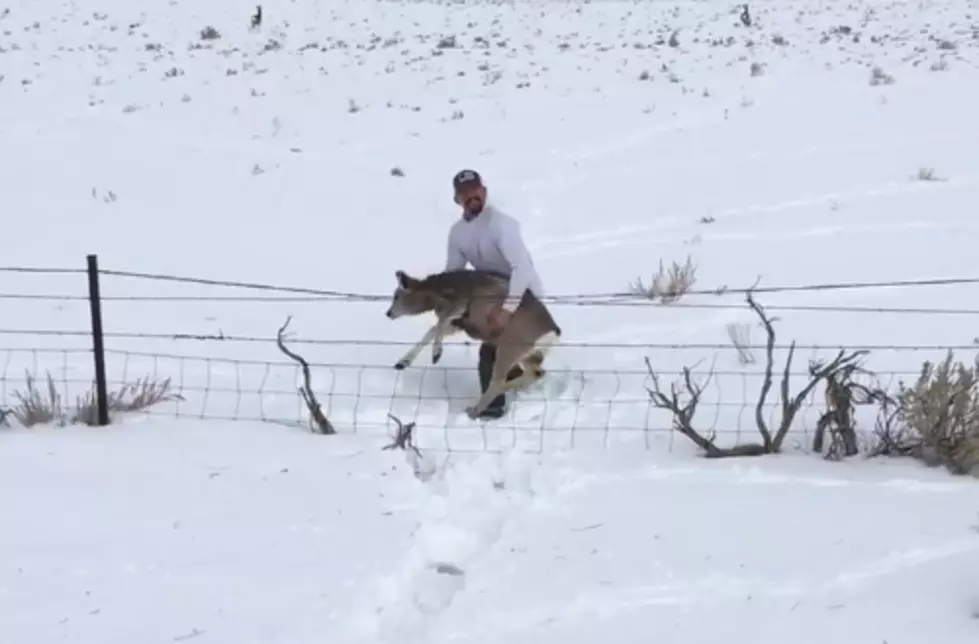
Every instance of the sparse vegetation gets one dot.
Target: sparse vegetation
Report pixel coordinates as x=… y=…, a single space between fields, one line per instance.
x=935 y=420
x=683 y=398
x=879 y=77
x=740 y=335
x=210 y=33
x=841 y=395
x=667 y=285
x=45 y=405
x=927 y=174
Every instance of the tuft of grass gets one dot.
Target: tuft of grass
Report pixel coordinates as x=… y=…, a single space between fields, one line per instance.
x=667 y=285
x=879 y=77
x=44 y=405
x=740 y=336
x=927 y=174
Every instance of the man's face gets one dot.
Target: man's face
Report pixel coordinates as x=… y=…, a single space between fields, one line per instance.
x=472 y=199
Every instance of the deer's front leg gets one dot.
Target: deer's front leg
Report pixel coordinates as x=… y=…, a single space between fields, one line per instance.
x=442 y=329
x=416 y=349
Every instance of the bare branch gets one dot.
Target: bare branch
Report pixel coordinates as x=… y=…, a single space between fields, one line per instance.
x=403 y=439
x=317 y=417
x=683 y=413
x=818 y=373
x=766 y=385
x=842 y=394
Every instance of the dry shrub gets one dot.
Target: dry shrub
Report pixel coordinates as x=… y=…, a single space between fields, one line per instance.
x=841 y=395
x=35 y=406
x=129 y=398
x=44 y=405
x=667 y=286
x=682 y=398
x=936 y=420
x=740 y=335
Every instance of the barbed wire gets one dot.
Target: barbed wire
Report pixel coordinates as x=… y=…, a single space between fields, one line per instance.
x=255 y=299
x=678 y=346
x=41 y=270
x=599 y=298
x=615 y=298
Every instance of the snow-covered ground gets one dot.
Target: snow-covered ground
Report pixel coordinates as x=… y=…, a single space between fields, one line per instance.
x=619 y=134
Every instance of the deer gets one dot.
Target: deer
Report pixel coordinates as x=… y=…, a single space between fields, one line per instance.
x=461 y=301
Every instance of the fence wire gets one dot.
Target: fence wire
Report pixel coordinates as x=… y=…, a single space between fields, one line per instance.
x=612 y=298
x=571 y=408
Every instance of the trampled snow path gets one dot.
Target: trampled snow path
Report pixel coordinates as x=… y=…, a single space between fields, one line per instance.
x=463 y=511
x=570 y=550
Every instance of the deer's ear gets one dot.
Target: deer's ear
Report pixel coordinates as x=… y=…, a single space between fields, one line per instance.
x=404 y=281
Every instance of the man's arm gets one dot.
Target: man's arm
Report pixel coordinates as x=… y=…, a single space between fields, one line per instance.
x=522 y=272
x=454 y=260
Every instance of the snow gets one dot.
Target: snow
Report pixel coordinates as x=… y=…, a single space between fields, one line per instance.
x=266 y=156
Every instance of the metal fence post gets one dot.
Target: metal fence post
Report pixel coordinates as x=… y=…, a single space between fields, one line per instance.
x=98 y=343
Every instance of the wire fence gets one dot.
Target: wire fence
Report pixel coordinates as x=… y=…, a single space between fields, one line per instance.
x=574 y=405
x=607 y=299
x=570 y=408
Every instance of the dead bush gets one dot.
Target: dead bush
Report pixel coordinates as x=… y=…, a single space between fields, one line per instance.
x=667 y=286
x=683 y=398
x=842 y=394
x=935 y=420
x=44 y=405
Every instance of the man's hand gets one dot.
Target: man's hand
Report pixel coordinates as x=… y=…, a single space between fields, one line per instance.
x=498 y=318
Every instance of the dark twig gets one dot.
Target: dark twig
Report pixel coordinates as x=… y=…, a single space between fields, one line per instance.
x=319 y=420
x=403 y=440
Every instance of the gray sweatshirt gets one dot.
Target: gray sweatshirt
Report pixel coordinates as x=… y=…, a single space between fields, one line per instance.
x=493 y=242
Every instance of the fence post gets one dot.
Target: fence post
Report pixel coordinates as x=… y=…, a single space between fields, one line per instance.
x=98 y=344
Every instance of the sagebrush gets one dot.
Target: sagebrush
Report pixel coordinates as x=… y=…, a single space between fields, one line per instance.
x=667 y=285
x=42 y=405
x=935 y=420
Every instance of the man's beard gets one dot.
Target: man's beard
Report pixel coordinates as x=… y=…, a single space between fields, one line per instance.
x=473 y=206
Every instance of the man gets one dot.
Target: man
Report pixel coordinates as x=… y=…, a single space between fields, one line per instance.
x=489 y=239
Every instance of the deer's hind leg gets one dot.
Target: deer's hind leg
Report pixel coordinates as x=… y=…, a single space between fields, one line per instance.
x=529 y=359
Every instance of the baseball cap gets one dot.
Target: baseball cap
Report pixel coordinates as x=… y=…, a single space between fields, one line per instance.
x=466 y=179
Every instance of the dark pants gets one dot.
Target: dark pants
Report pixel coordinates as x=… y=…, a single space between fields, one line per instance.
x=487 y=358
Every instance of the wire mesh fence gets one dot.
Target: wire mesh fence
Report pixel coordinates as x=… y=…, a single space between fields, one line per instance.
x=582 y=400
x=568 y=409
